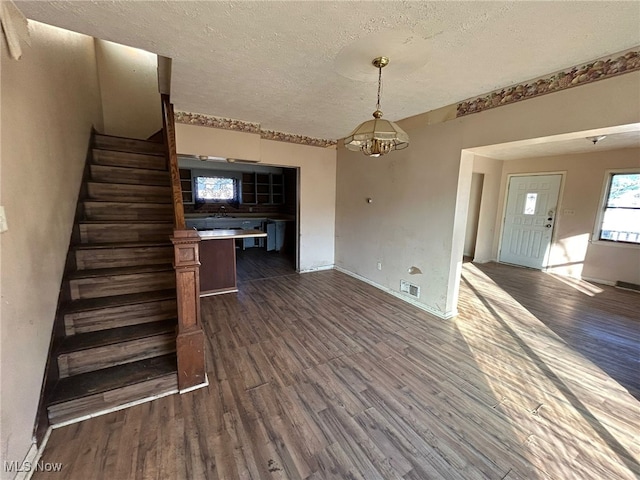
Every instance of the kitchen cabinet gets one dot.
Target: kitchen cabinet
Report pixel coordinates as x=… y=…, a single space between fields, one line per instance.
x=262 y=188
x=248 y=188
x=253 y=224
x=276 y=233
x=218 y=259
x=186 y=185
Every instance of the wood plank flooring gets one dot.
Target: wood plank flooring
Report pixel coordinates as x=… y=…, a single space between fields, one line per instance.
x=257 y=263
x=320 y=376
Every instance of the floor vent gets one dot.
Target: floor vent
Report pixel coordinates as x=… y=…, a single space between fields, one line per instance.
x=410 y=288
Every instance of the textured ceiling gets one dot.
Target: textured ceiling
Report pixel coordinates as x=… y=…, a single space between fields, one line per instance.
x=304 y=67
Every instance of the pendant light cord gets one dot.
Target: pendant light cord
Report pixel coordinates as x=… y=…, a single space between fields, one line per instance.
x=379 y=87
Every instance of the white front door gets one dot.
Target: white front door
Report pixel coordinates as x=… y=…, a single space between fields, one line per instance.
x=529 y=218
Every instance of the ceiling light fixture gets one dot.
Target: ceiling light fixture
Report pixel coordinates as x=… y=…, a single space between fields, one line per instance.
x=377 y=137
x=595 y=139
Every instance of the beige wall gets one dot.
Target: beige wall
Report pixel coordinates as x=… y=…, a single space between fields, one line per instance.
x=473 y=216
x=50 y=100
x=573 y=253
x=129 y=88
x=491 y=170
x=317 y=180
x=416 y=217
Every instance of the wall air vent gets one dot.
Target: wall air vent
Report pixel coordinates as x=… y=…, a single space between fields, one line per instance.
x=410 y=288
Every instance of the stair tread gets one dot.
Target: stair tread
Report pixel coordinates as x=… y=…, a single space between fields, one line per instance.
x=105 y=272
x=159 y=147
x=102 y=338
x=115 y=158
x=151 y=154
x=120 y=202
x=118 y=300
x=129 y=185
x=112 y=378
x=112 y=245
x=118 y=168
x=134 y=222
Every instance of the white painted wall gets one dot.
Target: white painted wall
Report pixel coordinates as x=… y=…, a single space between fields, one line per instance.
x=416 y=218
x=317 y=180
x=50 y=100
x=129 y=89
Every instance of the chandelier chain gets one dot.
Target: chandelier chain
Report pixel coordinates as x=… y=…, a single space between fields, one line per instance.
x=379 y=86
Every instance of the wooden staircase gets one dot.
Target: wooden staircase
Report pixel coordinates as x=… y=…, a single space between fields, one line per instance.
x=117 y=317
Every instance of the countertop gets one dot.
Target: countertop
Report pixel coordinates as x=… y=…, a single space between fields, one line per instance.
x=220 y=234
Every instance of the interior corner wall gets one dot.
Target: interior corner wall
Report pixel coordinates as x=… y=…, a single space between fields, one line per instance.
x=129 y=89
x=573 y=252
x=473 y=217
x=50 y=101
x=412 y=219
x=488 y=225
x=317 y=181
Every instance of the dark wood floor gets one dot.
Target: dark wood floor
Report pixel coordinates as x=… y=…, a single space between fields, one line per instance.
x=320 y=376
x=258 y=264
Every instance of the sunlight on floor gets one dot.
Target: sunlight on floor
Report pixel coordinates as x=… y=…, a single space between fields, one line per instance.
x=551 y=393
x=580 y=285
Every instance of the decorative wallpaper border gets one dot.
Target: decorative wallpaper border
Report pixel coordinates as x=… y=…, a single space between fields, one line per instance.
x=203 y=120
x=580 y=75
x=300 y=139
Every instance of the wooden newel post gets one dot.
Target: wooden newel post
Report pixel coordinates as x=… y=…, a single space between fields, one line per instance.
x=190 y=339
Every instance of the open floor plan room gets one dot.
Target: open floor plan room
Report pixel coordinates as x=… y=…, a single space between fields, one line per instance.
x=321 y=376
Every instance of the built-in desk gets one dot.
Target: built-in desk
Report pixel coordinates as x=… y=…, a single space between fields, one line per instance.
x=218 y=259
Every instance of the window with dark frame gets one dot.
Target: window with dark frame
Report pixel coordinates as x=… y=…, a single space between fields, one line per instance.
x=620 y=221
x=216 y=189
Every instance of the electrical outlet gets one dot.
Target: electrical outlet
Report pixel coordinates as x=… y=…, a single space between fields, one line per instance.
x=4 y=226
x=379 y=265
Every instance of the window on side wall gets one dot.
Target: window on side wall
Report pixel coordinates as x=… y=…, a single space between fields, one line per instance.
x=619 y=219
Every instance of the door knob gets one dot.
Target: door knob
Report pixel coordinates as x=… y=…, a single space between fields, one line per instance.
x=548 y=225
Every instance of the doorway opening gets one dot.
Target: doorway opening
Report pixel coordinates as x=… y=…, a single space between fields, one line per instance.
x=278 y=253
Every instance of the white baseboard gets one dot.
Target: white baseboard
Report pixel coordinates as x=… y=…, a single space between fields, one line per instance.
x=197 y=387
x=317 y=269
x=25 y=469
x=421 y=306
x=34 y=454
x=599 y=280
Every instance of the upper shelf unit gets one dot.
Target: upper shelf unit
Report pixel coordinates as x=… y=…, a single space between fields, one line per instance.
x=262 y=188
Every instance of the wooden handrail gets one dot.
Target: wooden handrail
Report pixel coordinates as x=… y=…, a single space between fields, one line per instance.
x=190 y=337
x=169 y=127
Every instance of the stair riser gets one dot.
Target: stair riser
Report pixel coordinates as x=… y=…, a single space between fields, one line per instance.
x=133 y=176
x=127 y=145
x=122 y=257
x=121 y=316
x=127 y=211
x=98 y=287
x=124 y=159
x=127 y=232
x=100 y=402
x=117 y=354
x=115 y=192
